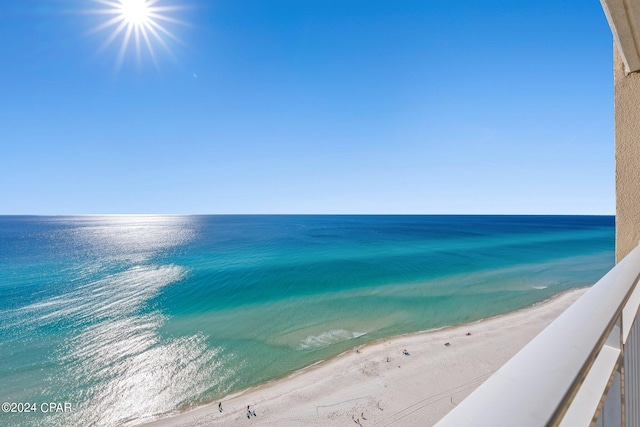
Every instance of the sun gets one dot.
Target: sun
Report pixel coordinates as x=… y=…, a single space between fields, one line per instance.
x=134 y=23
x=135 y=12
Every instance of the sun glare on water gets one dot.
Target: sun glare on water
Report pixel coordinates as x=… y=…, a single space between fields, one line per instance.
x=136 y=23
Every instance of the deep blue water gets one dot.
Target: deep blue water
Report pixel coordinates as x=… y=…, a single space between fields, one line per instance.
x=132 y=317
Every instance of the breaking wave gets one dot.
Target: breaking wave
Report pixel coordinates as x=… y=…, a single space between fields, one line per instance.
x=327 y=338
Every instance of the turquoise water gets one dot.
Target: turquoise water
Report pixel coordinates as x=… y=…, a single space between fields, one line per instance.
x=128 y=318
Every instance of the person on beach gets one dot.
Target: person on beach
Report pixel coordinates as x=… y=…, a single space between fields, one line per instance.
x=220 y=406
x=248 y=412
x=405 y=352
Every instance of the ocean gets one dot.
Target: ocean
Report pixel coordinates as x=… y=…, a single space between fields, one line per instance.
x=117 y=320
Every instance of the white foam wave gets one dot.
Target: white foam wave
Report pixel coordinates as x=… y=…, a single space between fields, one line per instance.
x=327 y=338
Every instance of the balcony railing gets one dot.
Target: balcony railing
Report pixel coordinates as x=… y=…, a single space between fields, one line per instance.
x=582 y=370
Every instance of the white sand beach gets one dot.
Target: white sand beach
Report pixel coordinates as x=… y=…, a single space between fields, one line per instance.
x=377 y=385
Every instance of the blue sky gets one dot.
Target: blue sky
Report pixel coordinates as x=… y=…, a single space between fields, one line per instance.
x=308 y=106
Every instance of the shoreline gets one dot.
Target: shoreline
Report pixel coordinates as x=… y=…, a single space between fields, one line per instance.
x=376 y=384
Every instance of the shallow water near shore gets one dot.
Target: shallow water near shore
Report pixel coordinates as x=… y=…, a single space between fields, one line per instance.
x=131 y=317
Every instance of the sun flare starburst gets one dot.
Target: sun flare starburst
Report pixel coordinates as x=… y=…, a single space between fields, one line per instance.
x=137 y=22
x=135 y=12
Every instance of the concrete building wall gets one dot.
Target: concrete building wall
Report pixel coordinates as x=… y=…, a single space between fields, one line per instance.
x=627 y=143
